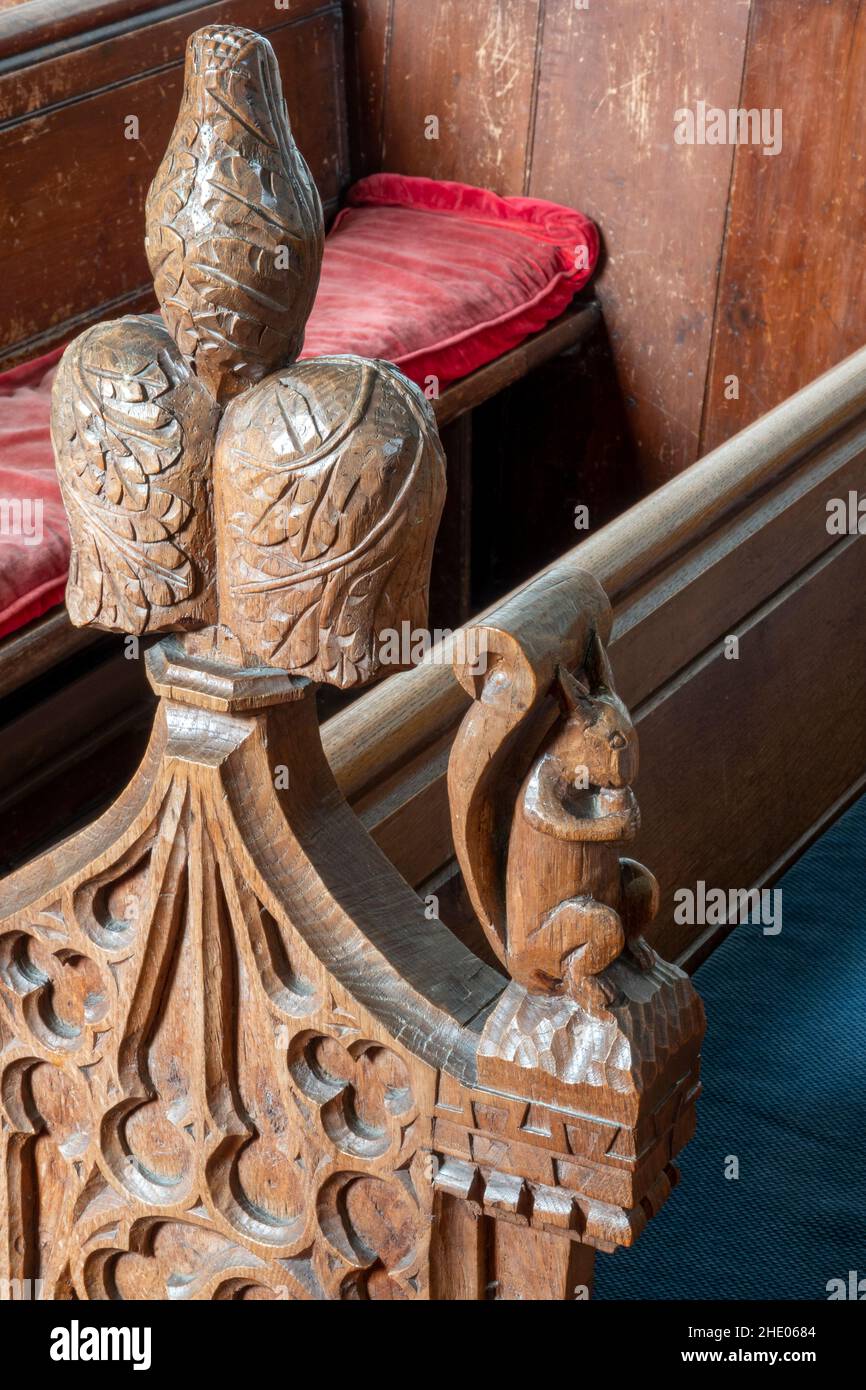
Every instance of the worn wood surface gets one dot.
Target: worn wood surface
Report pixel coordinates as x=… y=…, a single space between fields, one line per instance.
x=792 y=290
x=610 y=79
x=577 y=105
x=719 y=259
x=472 y=70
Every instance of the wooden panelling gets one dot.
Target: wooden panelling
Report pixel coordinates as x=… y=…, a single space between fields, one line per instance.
x=368 y=42
x=71 y=222
x=471 y=67
x=577 y=105
x=760 y=750
x=611 y=78
x=793 y=283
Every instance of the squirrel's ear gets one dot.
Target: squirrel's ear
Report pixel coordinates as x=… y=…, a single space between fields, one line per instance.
x=573 y=695
x=597 y=666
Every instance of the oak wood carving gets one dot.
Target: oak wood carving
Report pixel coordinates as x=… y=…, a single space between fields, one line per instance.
x=237 y=1058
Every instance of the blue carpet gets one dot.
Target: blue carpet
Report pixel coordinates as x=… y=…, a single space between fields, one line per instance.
x=784 y=1091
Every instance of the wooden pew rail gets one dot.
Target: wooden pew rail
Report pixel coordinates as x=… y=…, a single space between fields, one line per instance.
x=734 y=782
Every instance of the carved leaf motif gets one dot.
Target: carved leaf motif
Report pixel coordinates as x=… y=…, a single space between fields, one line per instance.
x=234 y=221
x=133 y=436
x=330 y=483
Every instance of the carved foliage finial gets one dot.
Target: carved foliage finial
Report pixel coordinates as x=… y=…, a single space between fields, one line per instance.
x=133 y=434
x=234 y=222
x=330 y=484
x=318 y=493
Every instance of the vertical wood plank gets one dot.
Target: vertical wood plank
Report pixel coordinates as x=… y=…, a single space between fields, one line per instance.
x=457 y=1251
x=530 y=1264
x=369 y=25
x=611 y=79
x=792 y=298
x=470 y=66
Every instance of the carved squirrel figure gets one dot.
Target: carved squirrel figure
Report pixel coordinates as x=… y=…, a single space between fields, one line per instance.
x=572 y=904
x=540 y=849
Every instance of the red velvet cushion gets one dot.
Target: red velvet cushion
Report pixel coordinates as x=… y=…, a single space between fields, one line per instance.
x=441 y=278
x=32 y=577
x=437 y=277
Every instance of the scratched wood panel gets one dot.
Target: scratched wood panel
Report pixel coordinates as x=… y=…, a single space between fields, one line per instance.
x=472 y=67
x=369 y=26
x=611 y=78
x=792 y=299
x=35 y=23
x=733 y=781
x=71 y=218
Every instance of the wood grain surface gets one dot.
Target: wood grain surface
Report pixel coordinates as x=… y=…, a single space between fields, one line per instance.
x=791 y=291
x=719 y=260
x=235 y=1042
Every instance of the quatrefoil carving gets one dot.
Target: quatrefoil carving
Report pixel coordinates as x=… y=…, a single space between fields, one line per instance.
x=63 y=994
x=363 y=1093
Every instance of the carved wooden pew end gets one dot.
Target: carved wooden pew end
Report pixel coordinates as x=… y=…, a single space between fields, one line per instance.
x=236 y=1058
